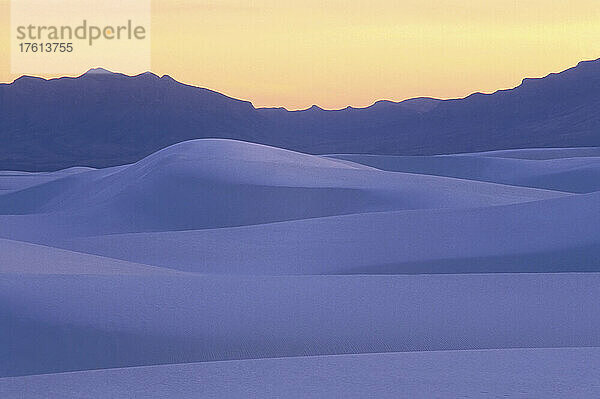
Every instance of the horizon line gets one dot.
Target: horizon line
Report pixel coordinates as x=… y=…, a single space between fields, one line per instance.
x=102 y=70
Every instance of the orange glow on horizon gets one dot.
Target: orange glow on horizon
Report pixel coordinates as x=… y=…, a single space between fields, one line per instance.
x=338 y=53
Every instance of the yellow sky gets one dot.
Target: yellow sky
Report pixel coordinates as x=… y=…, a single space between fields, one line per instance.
x=335 y=53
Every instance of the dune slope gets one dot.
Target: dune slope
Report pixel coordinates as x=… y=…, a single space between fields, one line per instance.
x=482 y=374
x=54 y=323
x=542 y=236
x=569 y=170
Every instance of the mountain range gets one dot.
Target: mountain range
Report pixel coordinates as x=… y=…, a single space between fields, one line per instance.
x=103 y=119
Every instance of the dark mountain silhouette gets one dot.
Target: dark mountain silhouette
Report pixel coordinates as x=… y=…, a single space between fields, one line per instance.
x=102 y=119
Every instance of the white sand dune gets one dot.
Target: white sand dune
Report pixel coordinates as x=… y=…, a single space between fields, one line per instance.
x=517 y=373
x=563 y=170
x=53 y=323
x=552 y=235
x=223 y=183
x=25 y=258
x=222 y=250
x=15 y=180
x=543 y=153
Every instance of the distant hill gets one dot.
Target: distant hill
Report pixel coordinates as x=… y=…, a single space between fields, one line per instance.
x=103 y=119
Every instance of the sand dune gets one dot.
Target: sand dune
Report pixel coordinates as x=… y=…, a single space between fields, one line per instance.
x=15 y=180
x=544 y=153
x=25 y=258
x=552 y=235
x=566 y=170
x=568 y=373
x=54 y=323
x=222 y=250
x=223 y=183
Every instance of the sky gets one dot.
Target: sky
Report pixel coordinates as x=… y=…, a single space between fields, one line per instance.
x=335 y=53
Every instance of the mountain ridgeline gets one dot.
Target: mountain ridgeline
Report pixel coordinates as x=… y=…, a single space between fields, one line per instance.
x=104 y=119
